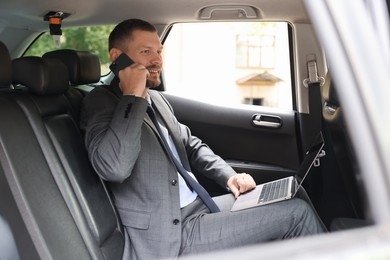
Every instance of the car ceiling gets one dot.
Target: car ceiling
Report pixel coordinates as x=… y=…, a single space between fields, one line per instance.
x=22 y=20
x=29 y=14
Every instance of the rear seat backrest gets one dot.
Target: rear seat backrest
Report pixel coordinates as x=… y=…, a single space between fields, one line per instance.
x=66 y=198
x=29 y=176
x=9 y=200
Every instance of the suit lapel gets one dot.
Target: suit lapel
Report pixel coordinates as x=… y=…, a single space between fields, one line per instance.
x=165 y=112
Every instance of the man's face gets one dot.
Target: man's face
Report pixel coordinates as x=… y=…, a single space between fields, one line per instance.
x=145 y=48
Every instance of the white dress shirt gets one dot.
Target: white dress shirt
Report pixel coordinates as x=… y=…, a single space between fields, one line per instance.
x=186 y=195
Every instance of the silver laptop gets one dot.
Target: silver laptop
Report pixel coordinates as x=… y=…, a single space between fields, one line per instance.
x=281 y=189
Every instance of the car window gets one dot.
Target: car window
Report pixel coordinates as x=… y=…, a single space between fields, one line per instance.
x=93 y=39
x=229 y=63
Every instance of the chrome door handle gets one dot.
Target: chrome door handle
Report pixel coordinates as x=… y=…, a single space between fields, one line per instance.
x=266 y=121
x=267 y=124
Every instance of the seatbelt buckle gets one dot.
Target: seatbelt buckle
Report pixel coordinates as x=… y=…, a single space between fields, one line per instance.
x=317 y=161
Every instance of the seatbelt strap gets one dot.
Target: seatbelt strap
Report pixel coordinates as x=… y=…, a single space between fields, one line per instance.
x=314 y=83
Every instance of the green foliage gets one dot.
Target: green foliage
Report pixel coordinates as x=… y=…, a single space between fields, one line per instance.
x=93 y=39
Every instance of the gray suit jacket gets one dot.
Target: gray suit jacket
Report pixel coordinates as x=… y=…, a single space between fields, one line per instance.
x=125 y=150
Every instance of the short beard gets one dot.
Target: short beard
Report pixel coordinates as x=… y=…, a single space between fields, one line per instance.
x=152 y=84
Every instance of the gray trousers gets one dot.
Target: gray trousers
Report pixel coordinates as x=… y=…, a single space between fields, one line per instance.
x=203 y=232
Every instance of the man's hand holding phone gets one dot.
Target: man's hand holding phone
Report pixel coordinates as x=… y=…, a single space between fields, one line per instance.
x=132 y=76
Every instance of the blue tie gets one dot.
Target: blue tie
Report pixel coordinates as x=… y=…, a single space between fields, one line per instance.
x=191 y=182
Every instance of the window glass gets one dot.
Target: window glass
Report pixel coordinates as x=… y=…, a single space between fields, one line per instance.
x=93 y=39
x=229 y=63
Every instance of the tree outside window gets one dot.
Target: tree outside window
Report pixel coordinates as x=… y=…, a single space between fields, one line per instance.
x=93 y=39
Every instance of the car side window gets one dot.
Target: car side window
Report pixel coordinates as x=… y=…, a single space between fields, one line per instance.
x=229 y=63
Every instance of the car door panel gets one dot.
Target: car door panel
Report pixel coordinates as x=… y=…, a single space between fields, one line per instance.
x=264 y=152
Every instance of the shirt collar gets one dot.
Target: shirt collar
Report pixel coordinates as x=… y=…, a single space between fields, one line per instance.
x=148 y=99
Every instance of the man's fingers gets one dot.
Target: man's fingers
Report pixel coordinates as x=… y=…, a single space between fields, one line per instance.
x=235 y=191
x=241 y=183
x=240 y=186
x=245 y=183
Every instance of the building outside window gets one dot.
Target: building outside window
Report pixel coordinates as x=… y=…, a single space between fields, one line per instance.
x=255 y=51
x=229 y=63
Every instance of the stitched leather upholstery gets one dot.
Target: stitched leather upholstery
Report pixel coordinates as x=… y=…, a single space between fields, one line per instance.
x=45 y=151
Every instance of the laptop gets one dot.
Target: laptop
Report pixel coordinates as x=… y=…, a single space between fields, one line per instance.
x=281 y=189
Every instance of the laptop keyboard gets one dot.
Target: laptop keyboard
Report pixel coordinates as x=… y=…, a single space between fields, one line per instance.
x=273 y=190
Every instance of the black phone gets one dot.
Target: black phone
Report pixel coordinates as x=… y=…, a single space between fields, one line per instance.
x=120 y=63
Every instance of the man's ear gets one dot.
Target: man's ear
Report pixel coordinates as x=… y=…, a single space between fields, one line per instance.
x=114 y=53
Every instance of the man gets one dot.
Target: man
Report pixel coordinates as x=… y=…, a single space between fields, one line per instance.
x=162 y=213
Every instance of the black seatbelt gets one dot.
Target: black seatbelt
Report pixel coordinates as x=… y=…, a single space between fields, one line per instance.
x=314 y=83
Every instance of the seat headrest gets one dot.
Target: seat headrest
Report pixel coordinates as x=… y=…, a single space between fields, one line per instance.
x=83 y=66
x=42 y=76
x=6 y=66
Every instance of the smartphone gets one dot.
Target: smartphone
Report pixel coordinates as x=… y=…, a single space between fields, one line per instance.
x=120 y=63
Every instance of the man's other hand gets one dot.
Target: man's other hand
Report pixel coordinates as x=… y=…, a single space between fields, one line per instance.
x=240 y=183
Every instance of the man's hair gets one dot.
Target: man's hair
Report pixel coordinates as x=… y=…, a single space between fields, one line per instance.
x=122 y=33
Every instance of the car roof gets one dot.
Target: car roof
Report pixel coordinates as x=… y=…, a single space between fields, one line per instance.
x=24 y=14
x=21 y=21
